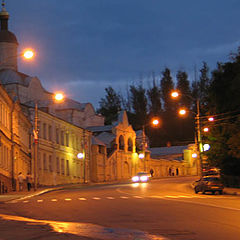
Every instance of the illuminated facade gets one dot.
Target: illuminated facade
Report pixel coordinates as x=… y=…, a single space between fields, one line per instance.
x=14 y=142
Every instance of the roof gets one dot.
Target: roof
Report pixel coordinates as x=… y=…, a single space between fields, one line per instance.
x=71 y=104
x=96 y=141
x=9 y=76
x=100 y=128
x=7 y=36
x=168 y=150
x=106 y=138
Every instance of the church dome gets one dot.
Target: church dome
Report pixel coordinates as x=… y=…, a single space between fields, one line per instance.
x=7 y=36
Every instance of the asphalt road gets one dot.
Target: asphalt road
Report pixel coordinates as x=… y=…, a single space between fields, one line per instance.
x=162 y=209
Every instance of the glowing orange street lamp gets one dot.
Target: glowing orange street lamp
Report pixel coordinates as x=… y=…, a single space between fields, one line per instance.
x=155 y=122
x=28 y=54
x=206 y=129
x=182 y=111
x=174 y=94
x=59 y=96
x=211 y=119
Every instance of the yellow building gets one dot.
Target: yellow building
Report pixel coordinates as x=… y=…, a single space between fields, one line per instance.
x=59 y=146
x=114 y=155
x=14 y=142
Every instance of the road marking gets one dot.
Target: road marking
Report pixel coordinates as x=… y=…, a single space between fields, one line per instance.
x=171 y=196
x=54 y=200
x=82 y=199
x=137 y=197
x=39 y=200
x=110 y=198
x=96 y=198
x=68 y=199
x=26 y=201
x=124 y=197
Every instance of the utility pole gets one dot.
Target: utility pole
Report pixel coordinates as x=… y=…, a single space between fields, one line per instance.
x=199 y=140
x=35 y=132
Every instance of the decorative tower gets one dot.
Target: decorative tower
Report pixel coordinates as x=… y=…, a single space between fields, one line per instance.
x=8 y=43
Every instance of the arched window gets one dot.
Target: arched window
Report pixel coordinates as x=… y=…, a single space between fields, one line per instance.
x=130 y=145
x=121 y=142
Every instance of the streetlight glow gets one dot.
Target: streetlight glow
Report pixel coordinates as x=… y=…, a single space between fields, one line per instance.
x=28 y=54
x=58 y=96
x=206 y=147
x=80 y=155
x=155 y=122
x=194 y=155
x=206 y=129
x=141 y=155
x=211 y=119
x=182 y=111
x=175 y=94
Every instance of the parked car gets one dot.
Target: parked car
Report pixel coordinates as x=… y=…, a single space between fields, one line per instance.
x=141 y=177
x=211 y=172
x=208 y=184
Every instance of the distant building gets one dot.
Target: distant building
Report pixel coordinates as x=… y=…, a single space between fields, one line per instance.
x=115 y=156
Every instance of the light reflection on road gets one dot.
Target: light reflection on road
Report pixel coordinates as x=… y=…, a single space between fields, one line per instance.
x=89 y=230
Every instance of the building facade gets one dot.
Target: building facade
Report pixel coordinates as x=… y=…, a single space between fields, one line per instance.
x=15 y=139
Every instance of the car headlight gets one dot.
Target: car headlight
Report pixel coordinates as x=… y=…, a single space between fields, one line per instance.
x=144 y=178
x=135 y=179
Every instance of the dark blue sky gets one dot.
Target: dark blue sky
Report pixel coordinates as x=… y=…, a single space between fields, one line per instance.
x=84 y=46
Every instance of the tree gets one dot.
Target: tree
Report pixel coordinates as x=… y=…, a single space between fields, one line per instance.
x=224 y=98
x=154 y=96
x=183 y=86
x=167 y=86
x=139 y=105
x=110 y=105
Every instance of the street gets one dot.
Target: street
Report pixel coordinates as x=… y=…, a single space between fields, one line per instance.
x=161 y=209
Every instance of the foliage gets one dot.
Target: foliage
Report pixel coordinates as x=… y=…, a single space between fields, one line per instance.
x=183 y=86
x=167 y=86
x=139 y=105
x=110 y=105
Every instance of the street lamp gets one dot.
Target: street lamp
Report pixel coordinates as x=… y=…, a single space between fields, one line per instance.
x=57 y=97
x=28 y=53
x=176 y=94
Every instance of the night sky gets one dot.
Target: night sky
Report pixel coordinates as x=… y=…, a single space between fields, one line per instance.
x=83 y=46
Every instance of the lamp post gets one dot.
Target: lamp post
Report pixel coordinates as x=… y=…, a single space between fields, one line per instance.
x=35 y=132
x=82 y=155
x=155 y=122
x=57 y=97
x=175 y=94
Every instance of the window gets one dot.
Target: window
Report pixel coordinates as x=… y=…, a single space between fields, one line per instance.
x=62 y=167
x=50 y=164
x=121 y=143
x=58 y=165
x=50 y=133
x=44 y=130
x=130 y=145
x=101 y=149
x=44 y=161
x=67 y=168
x=67 y=139
x=62 y=138
x=57 y=135
x=39 y=162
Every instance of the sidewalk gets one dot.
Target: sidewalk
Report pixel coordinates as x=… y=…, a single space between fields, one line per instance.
x=41 y=190
x=27 y=194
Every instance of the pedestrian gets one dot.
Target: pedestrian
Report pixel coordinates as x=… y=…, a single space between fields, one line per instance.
x=151 y=172
x=20 y=181
x=29 y=181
